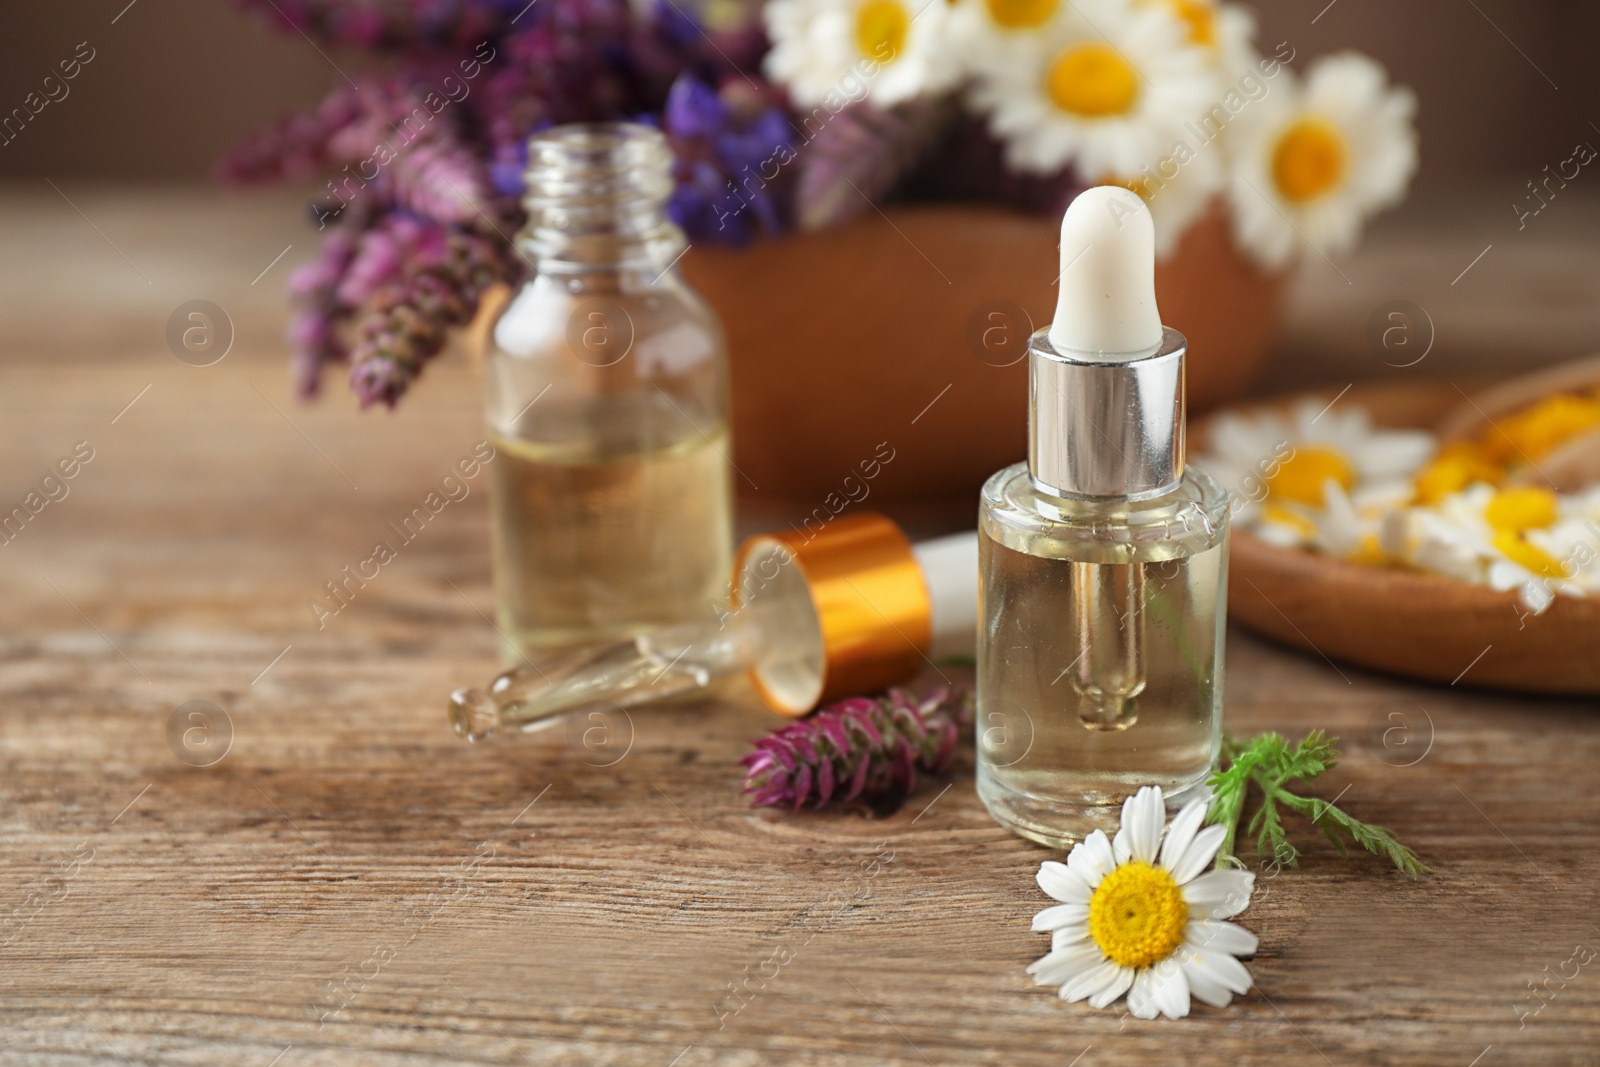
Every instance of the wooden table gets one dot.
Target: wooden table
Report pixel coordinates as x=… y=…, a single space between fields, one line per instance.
x=350 y=884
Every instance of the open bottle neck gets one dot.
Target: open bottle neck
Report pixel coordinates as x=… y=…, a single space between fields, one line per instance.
x=596 y=199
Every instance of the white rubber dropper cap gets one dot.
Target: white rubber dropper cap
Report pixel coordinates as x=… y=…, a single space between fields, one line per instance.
x=1105 y=381
x=1106 y=302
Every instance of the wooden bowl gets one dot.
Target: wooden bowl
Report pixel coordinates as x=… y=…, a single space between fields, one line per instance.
x=910 y=328
x=1406 y=622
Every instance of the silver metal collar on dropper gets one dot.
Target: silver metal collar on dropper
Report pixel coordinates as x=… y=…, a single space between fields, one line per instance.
x=1106 y=379
x=1101 y=428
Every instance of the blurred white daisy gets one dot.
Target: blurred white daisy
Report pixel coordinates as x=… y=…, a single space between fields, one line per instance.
x=1105 y=85
x=1314 y=163
x=1226 y=31
x=988 y=28
x=1573 y=539
x=1138 y=916
x=827 y=52
x=1525 y=539
x=1326 y=478
x=1175 y=203
x=1283 y=468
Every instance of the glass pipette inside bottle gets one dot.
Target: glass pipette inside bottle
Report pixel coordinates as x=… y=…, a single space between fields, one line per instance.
x=849 y=608
x=1108 y=605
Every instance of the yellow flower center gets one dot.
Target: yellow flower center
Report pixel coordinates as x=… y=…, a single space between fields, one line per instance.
x=1521 y=509
x=1542 y=427
x=1300 y=478
x=1022 y=14
x=1513 y=547
x=881 y=28
x=1093 y=81
x=1201 y=18
x=1137 y=915
x=1309 y=159
x=1457 y=466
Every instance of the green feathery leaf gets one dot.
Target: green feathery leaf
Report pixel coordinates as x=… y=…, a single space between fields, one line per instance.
x=1270 y=762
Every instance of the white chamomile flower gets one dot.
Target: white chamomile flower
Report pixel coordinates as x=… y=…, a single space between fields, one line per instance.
x=1104 y=85
x=1317 y=473
x=826 y=51
x=1182 y=185
x=1453 y=537
x=1226 y=31
x=1425 y=539
x=1573 y=541
x=1326 y=478
x=988 y=28
x=1138 y=916
x=1524 y=539
x=1313 y=163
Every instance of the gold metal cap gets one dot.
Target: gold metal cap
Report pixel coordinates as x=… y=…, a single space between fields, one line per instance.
x=871 y=601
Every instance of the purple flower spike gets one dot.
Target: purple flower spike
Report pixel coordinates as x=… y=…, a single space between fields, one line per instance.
x=437 y=289
x=866 y=747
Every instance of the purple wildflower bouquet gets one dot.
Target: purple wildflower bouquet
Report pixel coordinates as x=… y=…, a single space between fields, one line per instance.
x=1022 y=102
x=422 y=156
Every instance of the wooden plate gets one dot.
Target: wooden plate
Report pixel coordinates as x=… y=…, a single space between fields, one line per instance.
x=1406 y=622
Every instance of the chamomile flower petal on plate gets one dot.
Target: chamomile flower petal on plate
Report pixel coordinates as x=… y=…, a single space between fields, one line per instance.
x=1279 y=465
x=1312 y=163
x=1425 y=539
x=1339 y=530
x=1324 y=477
x=1382 y=495
x=1523 y=539
x=1152 y=927
x=1574 y=540
x=1105 y=86
x=1519 y=519
x=827 y=50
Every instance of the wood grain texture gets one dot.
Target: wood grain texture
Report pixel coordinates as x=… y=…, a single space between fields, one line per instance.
x=352 y=885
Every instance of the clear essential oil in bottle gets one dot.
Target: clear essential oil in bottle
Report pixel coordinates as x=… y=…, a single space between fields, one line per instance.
x=608 y=407
x=1102 y=560
x=1101 y=651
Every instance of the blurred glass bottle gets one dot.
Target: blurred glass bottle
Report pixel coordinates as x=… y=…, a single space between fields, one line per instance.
x=608 y=405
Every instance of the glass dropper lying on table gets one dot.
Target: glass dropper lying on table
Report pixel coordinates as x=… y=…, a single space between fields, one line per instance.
x=814 y=615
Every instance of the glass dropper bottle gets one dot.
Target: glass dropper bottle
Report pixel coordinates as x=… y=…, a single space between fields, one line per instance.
x=1103 y=557
x=818 y=614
